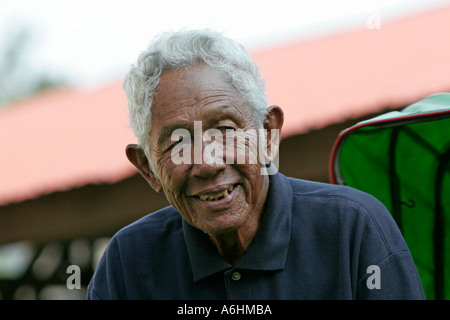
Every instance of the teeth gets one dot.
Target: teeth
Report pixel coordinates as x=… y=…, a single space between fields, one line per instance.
x=216 y=195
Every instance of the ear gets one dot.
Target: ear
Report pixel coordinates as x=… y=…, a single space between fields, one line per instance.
x=273 y=124
x=137 y=157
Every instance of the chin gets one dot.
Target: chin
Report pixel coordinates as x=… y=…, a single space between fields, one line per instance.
x=221 y=227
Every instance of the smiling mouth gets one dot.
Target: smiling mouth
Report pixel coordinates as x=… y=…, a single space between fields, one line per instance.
x=215 y=196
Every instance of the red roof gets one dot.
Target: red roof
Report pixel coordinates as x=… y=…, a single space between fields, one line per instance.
x=63 y=139
x=67 y=138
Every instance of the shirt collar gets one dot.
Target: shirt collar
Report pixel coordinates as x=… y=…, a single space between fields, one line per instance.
x=269 y=248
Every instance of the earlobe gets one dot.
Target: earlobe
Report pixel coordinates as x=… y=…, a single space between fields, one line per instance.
x=137 y=157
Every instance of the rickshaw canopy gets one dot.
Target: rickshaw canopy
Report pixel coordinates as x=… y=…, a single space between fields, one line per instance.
x=403 y=159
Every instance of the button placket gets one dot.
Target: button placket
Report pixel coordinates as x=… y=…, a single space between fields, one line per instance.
x=236 y=276
x=238 y=284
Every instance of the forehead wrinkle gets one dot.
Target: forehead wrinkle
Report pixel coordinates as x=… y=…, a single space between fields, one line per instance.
x=221 y=98
x=184 y=97
x=201 y=109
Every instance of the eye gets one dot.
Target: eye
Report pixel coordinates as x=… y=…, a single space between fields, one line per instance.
x=180 y=139
x=174 y=143
x=224 y=129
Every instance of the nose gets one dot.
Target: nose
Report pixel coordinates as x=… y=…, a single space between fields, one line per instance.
x=209 y=162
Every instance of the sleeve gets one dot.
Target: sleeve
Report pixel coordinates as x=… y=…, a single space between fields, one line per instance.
x=393 y=278
x=107 y=281
x=386 y=269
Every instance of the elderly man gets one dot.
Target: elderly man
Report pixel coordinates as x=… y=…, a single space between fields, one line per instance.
x=237 y=229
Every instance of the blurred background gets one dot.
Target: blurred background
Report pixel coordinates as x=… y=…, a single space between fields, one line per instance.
x=65 y=184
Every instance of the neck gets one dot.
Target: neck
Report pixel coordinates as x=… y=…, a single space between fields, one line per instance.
x=233 y=245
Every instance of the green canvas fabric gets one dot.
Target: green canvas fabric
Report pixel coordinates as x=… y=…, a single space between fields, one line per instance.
x=403 y=159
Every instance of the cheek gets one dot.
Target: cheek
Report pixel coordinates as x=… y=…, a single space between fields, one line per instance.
x=171 y=176
x=173 y=183
x=241 y=147
x=252 y=181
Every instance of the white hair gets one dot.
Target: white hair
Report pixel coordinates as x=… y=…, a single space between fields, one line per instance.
x=172 y=50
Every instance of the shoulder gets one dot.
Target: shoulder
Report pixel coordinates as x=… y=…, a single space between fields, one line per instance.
x=160 y=223
x=345 y=211
x=161 y=217
x=154 y=233
x=335 y=195
x=134 y=250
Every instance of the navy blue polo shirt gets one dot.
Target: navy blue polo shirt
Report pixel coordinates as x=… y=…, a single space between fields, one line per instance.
x=315 y=241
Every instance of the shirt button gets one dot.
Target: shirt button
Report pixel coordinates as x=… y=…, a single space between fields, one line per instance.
x=236 y=276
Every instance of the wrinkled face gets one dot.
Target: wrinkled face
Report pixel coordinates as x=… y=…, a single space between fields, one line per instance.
x=214 y=196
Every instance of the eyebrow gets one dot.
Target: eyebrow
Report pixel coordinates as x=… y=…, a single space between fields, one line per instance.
x=166 y=131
